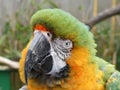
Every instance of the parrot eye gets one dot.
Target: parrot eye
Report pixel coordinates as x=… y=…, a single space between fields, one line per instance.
x=68 y=44
x=48 y=34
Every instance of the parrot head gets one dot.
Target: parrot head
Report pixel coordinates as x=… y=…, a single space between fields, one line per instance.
x=46 y=57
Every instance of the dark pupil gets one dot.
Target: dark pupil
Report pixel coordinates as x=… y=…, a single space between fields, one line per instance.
x=48 y=34
x=67 y=43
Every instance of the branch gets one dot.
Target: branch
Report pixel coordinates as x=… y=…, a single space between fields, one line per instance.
x=10 y=63
x=103 y=15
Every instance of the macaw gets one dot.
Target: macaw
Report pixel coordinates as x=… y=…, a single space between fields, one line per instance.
x=61 y=55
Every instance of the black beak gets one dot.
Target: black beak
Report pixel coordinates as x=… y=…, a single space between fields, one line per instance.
x=38 y=49
x=39 y=45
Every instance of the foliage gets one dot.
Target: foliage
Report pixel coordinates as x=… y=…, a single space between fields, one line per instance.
x=12 y=41
x=110 y=53
x=17 y=32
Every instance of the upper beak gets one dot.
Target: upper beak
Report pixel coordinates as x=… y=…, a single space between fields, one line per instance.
x=39 y=45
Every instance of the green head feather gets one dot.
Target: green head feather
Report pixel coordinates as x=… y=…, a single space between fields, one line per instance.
x=64 y=25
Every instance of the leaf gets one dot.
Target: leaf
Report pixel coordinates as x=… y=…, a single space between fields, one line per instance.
x=118 y=60
x=54 y=5
x=2 y=39
x=7 y=27
x=80 y=7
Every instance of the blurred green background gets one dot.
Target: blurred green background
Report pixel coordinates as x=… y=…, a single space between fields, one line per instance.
x=15 y=30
